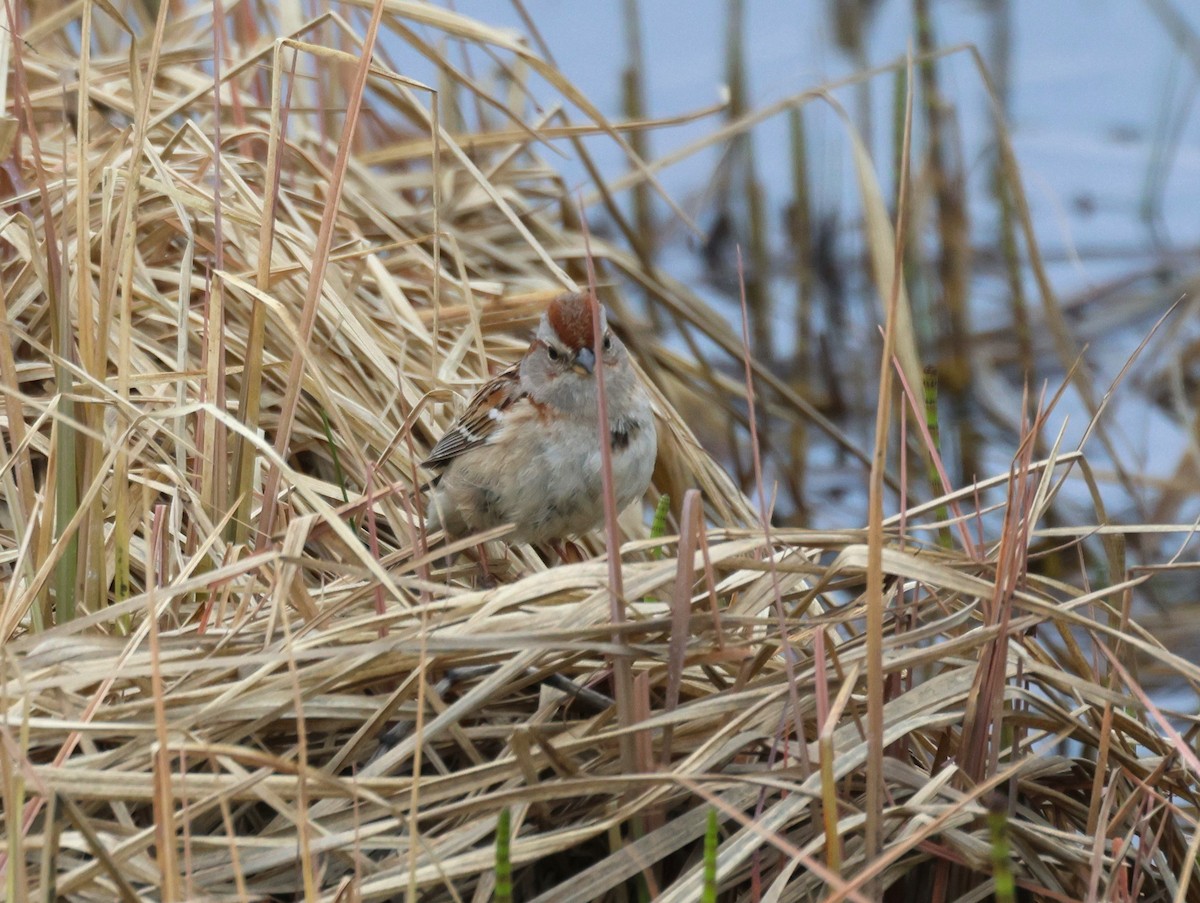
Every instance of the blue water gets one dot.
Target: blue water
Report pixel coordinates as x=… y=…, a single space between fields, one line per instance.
x=1093 y=87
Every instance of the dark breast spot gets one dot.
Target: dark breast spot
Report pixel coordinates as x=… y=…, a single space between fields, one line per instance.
x=623 y=433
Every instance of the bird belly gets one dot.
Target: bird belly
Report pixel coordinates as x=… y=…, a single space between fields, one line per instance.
x=548 y=493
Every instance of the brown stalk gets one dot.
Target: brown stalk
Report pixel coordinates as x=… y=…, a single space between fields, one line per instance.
x=250 y=397
x=623 y=691
x=875 y=602
x=317 y=275
x=691 y=528
x=765 y=524
x=164 y=803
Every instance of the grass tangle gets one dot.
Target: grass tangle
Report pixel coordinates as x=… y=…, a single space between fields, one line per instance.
x=240 y=301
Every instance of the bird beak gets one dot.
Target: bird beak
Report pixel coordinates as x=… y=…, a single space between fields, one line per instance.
x=585 y=362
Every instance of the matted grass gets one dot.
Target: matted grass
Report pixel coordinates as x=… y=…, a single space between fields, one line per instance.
x=230 y=334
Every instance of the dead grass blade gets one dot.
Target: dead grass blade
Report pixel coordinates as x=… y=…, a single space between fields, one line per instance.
x=230 y=334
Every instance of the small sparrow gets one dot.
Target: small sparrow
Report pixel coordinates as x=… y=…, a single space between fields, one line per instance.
x=526 y=450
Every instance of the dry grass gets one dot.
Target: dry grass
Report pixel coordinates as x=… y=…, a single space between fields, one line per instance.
x=276 y=294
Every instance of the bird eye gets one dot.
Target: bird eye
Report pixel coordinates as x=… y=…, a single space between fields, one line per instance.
x=552 y=352
x=608 y=342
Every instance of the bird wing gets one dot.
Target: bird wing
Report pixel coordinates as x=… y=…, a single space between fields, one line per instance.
x=480 y=420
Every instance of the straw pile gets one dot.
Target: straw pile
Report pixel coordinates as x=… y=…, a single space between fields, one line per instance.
x=234 y=321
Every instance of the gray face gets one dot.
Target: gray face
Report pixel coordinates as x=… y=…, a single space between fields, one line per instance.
x=564 y=376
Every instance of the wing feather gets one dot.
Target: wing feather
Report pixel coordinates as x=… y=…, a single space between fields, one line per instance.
x=479 y=421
